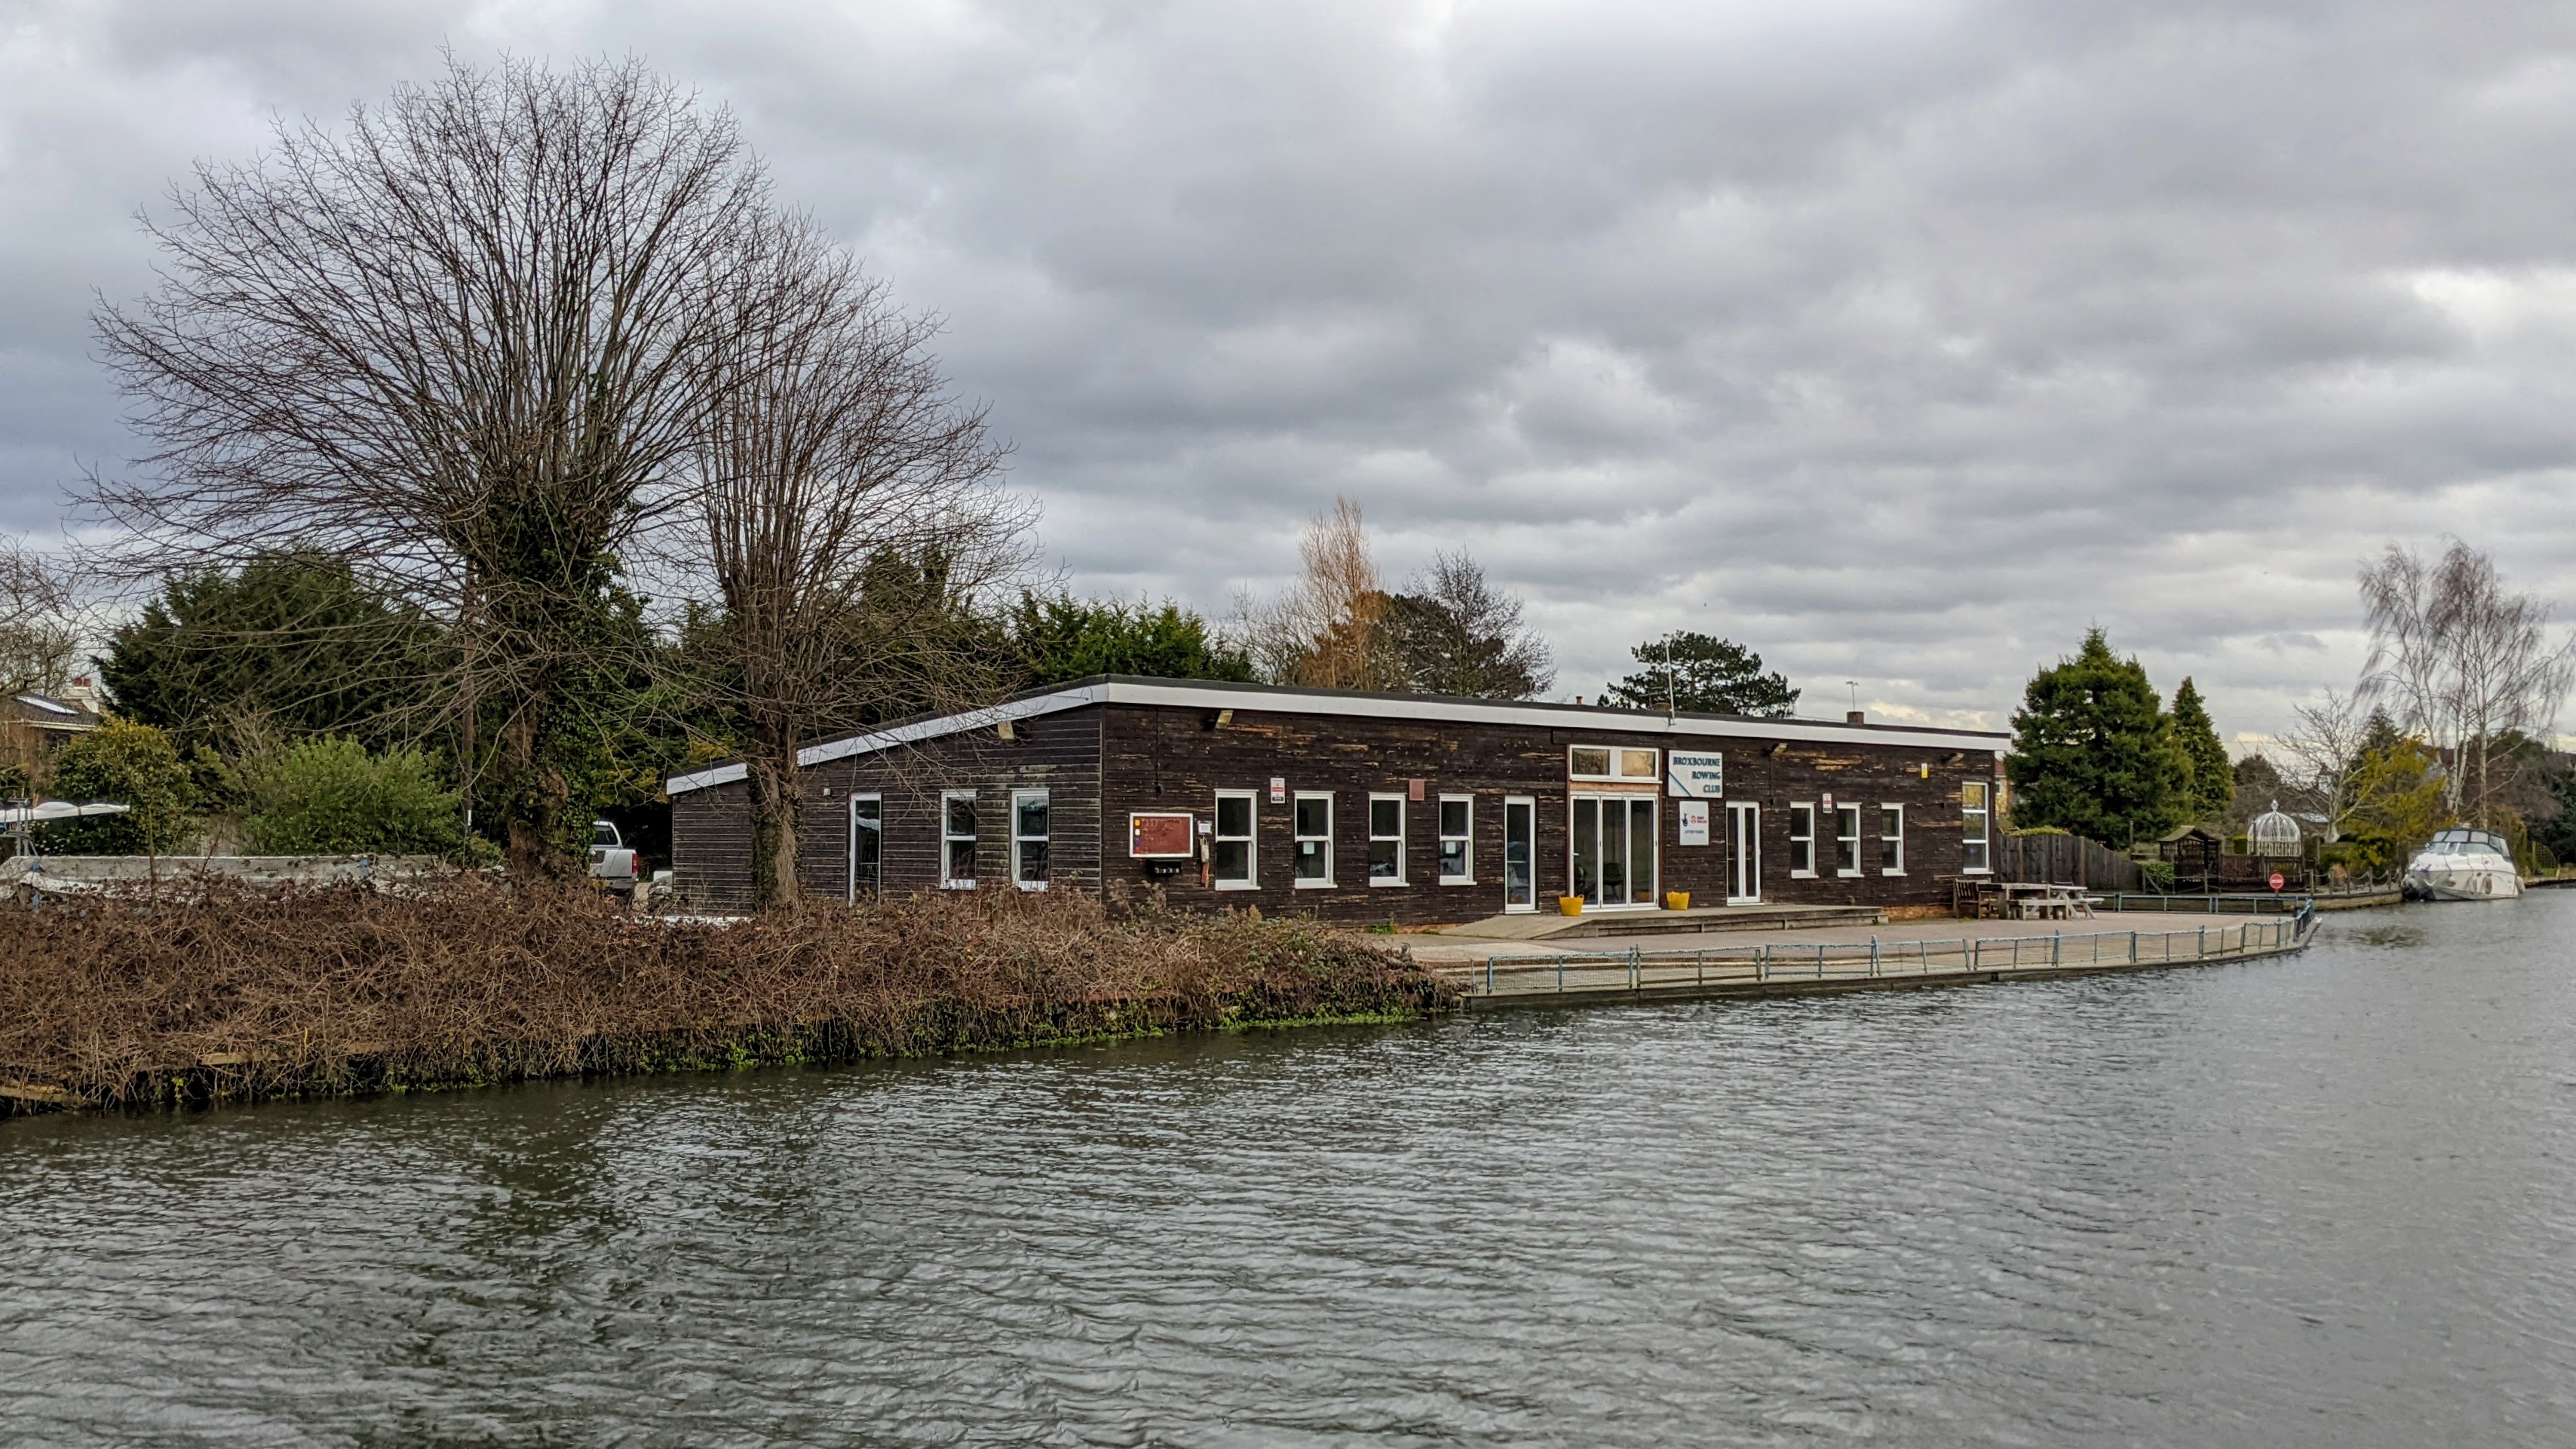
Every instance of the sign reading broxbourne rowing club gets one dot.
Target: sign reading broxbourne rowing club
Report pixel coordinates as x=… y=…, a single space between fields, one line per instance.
x=1695 y=777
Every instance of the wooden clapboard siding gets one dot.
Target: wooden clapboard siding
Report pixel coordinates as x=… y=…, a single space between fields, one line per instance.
x=711 y=847
x=1059 y=753
x=1099 y=762
x=1176 y=759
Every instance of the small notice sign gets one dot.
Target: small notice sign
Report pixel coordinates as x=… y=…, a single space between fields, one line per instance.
x=2278 y=881
x=1278 y=790
x=1694 y=817
x=1695 y=777
x=1162 y=835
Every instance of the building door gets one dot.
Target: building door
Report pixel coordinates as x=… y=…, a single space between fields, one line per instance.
x=1520 y=853
x=1743 y=854
x=1613 y=840
x=867 y=847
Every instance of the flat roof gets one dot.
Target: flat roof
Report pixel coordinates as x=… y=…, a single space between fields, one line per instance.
x=1358 y=704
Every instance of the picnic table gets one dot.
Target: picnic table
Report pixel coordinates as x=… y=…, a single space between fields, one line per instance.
x=2041 y=901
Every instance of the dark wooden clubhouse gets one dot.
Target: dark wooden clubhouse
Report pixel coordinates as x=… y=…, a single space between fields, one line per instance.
x=1365 y=807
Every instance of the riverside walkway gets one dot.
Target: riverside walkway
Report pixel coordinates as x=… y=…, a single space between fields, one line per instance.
x=1852 y=958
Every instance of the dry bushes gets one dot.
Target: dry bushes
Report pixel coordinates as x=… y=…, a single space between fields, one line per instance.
x=227 y=993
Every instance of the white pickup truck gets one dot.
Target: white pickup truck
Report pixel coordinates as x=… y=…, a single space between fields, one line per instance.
x=611 y=863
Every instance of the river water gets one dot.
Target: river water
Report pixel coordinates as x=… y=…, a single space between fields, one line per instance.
x=2326 y=1200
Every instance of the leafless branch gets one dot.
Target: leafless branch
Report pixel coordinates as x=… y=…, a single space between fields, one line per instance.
x=843 y=518
x=456 y=344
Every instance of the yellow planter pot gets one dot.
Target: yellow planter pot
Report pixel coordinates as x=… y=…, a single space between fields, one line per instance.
x=1569 y=905
x=1677 y=900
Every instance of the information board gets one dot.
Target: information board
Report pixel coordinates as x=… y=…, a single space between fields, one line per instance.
x=1695 y=777
x=1694 y=818
x=1162 y=835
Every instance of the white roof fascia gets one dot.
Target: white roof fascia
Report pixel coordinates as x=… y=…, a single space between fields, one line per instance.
x=1551 y=717
x=1367 y=707
x=875 y=740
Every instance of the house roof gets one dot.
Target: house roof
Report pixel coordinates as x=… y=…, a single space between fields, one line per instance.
x=46 y=712
x=1355 y=703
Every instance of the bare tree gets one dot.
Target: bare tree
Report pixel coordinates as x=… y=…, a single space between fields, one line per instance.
x=1457 y=634
x=455 y=344
x=2463 y=661
x=2324 y=746
x=1328 y=630
x=843 y=516
x=40 y=625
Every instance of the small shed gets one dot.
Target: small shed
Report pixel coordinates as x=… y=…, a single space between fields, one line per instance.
x=2196 y=855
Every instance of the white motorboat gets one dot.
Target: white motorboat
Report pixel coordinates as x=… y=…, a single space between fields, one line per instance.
x=2463 y=865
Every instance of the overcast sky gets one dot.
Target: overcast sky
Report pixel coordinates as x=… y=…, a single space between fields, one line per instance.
x=1897 y=341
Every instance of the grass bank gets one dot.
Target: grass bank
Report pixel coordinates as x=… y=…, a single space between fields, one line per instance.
x=223 y=994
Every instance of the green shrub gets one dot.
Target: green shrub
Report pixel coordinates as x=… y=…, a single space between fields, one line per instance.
x=2159 y=874
x=134 y=765
x=331 y=797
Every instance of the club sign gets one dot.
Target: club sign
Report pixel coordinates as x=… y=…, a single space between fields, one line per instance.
x=1695 y=777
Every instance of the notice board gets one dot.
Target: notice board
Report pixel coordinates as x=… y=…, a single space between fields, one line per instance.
x=1161 y=835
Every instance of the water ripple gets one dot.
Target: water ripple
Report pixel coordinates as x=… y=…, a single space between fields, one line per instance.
x=2326 y=1201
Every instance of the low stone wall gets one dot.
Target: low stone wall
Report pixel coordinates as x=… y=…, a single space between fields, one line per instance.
x=59 y=872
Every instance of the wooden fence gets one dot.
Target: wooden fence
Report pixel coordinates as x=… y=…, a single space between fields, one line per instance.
x=2066 y=860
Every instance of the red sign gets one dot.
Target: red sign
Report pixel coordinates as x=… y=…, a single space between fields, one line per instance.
x=2277 y=881
x=1161 y=836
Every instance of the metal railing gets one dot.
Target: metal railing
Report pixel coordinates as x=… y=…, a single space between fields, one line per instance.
x=2188 y=903
x=1637 y=969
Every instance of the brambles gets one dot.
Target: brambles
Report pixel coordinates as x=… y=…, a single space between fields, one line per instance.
x=222 y=993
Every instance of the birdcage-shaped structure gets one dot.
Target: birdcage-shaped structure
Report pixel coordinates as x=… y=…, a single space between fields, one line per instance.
x=2273 y=835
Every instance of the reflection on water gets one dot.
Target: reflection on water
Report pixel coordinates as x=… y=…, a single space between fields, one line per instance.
x=2329 y=1200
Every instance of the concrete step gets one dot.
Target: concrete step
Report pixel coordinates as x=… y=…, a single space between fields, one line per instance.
x=1606 y=924
x=1722 y=918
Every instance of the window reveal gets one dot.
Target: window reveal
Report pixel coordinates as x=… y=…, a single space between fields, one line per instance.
x=1846 y=840
x=1457 y=840
x=1973 y=823
x=1386 y=840
x=1233 y=866
x=1029 y=838
x=1314 y=826
x=957 y=840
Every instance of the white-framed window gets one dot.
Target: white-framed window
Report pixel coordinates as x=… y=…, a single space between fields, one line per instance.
x=1610 y=762
x=1029 y=832
x=1313 y=824
x=957 y=840
x=1233 y=866
x=1846 y=840
x=1973 y=828
x=1891 y=840
x=1386 y=840
x=1457 y=840
x=867 y=846
x=1802 y=841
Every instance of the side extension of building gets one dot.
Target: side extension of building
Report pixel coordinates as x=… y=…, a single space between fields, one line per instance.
x=1363 y=807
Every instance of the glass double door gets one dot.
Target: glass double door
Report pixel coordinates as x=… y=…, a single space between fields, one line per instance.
x=1614 y=849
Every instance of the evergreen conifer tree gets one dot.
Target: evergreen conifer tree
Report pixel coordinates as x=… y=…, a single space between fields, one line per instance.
x=1693 y=671
x=2094 y=751
x=2213 y=778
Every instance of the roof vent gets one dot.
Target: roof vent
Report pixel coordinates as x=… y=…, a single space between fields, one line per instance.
x=1856 y=717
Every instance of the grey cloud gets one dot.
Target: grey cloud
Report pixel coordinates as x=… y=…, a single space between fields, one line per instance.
x=1901 y=341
